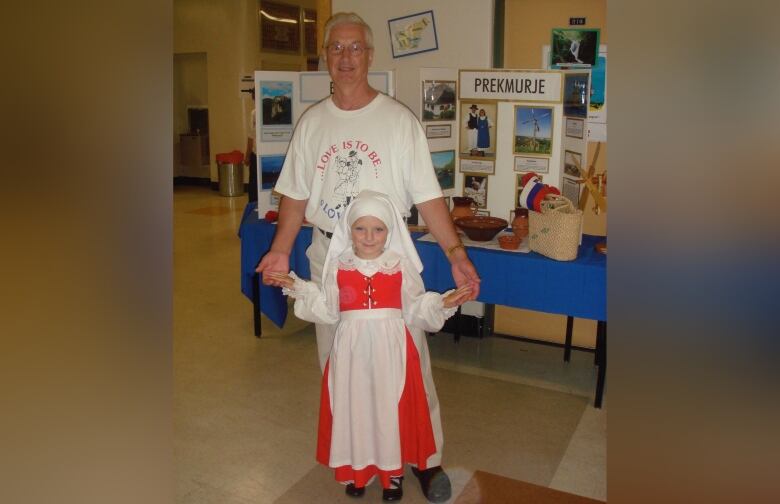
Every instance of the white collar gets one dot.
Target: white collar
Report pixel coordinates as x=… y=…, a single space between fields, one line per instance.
x=388 y=260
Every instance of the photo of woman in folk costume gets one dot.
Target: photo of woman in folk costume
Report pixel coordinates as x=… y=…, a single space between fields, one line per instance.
x=374 y=415
x=483 y=130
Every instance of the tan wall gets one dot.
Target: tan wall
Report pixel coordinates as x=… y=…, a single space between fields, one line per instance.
x=463 y=30
x=228 y=32
x=190 y=79
x=527 y=27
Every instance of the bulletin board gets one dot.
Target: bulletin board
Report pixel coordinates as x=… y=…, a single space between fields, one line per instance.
x=531 y=121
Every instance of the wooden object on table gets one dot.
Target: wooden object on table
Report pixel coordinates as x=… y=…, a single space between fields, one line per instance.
x=601 y=202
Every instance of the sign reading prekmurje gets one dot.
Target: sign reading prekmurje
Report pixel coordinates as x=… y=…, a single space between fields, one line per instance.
x=510 y=85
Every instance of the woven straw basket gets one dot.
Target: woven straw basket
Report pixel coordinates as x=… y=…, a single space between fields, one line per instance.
x=555 y=231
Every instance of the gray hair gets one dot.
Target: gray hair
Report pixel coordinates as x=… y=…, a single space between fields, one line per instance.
x=341 y=18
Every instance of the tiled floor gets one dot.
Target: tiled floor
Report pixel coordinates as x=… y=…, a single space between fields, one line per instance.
x=246 y=408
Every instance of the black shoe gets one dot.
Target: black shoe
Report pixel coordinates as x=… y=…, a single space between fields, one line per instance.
x=354 y=491
x=395 y=492
x=435 y=483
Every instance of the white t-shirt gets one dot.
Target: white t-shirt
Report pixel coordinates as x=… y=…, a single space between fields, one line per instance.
x=334 y=154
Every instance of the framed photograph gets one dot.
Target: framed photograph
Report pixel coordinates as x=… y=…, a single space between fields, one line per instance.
x=533 y=130
x=438 y=130
x=310 y=32
x=598 y=88
x=438 y=100
x=444 y=165
x=575 y=128
x=413 y=34
x=270 y=168
x=478 y=129
x=575 y=95
x=571 y=190
x=572 y=163
x=475 y=187
x=570 y=48
x=279 y=27
x=534 y=164
x=519 y=188
x=276 y=99
x=485 y=213
x=477 y=166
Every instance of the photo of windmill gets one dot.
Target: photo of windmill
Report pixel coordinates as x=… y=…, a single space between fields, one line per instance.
x=533 y=130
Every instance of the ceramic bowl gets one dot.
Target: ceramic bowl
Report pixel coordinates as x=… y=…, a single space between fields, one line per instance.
x=480 y=227
x=509 y=242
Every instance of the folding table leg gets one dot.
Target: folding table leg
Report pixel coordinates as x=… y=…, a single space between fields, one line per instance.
x=256 y=304
x=601 y=359
x=488 y=320
x=456 y=335
x=567 y=344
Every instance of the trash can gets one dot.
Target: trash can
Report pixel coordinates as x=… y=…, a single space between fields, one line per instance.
x=230 y=171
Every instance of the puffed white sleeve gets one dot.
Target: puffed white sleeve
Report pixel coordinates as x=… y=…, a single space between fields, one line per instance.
x=424 y=310
x=312 y=303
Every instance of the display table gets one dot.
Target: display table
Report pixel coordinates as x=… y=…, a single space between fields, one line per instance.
x=530 y=281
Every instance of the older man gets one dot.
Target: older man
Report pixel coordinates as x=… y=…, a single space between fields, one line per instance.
x=361 y=139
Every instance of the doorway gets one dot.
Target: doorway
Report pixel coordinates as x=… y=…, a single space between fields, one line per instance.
x=191 y=150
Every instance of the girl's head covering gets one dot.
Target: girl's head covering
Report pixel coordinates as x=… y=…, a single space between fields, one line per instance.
x=380 y=206
x=374 y=207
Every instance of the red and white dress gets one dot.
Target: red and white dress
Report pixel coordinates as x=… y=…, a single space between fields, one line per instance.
x=374 y=414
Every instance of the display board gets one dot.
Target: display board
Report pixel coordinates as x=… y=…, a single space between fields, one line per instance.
x=280 y=100
x=511 y=122
x=438 y=112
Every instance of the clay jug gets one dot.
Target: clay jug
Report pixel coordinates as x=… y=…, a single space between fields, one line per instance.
x=520 y=223
x=463 y=206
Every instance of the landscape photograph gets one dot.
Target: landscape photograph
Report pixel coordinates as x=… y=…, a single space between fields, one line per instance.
x=533 y=130
x=444 y=164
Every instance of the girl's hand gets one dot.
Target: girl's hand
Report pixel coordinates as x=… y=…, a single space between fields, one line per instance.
x=458 y=297
x=280 y=279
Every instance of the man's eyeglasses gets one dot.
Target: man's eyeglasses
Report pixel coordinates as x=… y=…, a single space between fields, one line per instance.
x=337 y=48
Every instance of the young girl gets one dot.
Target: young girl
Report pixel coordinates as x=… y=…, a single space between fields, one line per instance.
x=373 y=410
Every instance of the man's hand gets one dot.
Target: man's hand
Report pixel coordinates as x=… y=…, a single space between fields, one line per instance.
x=464 y=273
x=273 y=262
x=437 y=217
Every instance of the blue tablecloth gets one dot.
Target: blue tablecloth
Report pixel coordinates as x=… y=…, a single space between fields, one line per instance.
x=577 y=288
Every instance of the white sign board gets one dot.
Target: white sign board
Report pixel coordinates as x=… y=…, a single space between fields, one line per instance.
x=512 y=85
x=317 y=85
